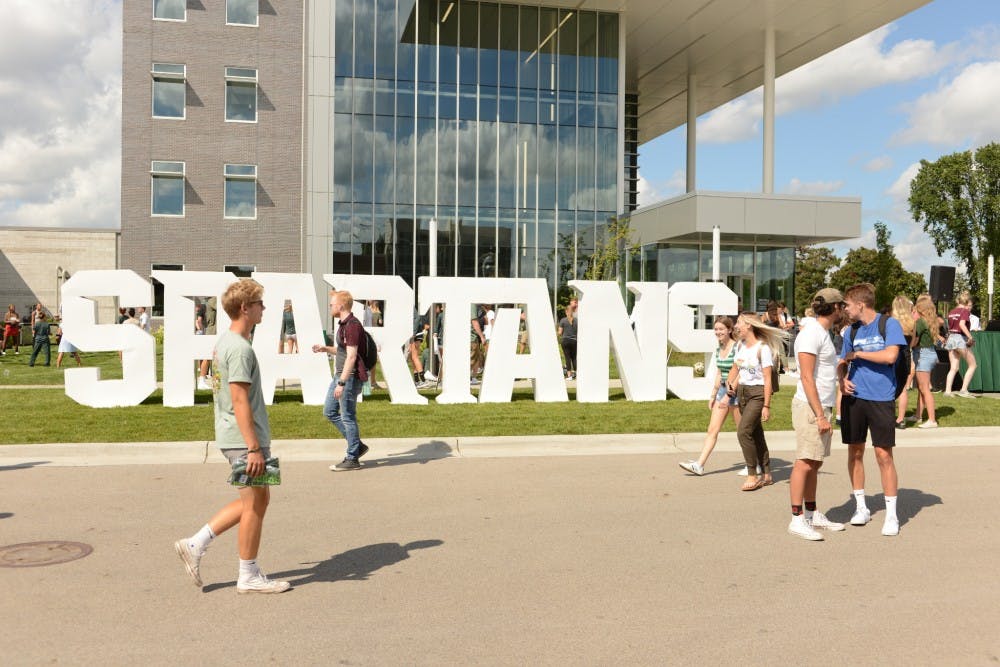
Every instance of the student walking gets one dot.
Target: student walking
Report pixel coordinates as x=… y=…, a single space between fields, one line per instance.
x=720 y=404
x=342 y=398
x=925 y=358
x=959 y=345
x=40 y=339
x=242 y=432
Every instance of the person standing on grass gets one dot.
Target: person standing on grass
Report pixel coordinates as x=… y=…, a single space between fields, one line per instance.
x=567 y=339
x=40 y=339
x=902 y=310
x=11 y=330
x=341 y=406
x=719 y=402
x=959 y=346
x=812 y=410
x=868 y=384
x=925 y=358
x=242 y=430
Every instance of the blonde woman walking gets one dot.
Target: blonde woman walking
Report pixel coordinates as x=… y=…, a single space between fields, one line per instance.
x=959 y=345
x=902 y=310
x=752 y=382
x=719 y=403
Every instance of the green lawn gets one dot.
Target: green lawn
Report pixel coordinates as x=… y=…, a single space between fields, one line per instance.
x=48 y=415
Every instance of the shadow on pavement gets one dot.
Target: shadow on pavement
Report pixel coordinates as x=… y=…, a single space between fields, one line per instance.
x=22 y=466
x=423 y=453
x=908 y=504
x=353 y=565
x=6 y=515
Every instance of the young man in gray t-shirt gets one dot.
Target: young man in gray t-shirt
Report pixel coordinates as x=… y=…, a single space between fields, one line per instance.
x=241 y=429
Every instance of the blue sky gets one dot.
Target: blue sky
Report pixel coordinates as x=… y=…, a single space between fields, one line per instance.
x=853 y=123
x=857 y=122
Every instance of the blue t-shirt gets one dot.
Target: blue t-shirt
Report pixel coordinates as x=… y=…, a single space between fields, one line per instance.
x=873 y=381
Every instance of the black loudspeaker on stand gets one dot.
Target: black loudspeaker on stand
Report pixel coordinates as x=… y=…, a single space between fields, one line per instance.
x=942 y=287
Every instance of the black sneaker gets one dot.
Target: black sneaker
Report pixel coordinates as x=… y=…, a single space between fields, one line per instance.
x=362 y=450
x=901 y=425
x=347 y=464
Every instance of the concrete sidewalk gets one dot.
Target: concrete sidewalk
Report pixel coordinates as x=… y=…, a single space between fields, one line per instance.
x=423 y=449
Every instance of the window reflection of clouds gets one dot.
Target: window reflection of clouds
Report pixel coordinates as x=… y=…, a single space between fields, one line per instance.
x=516 y=107
x=168 y=98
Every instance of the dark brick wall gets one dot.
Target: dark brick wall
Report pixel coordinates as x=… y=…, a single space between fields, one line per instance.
x=203 y=239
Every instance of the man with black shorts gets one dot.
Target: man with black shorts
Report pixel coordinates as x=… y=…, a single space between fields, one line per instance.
x=868 y=384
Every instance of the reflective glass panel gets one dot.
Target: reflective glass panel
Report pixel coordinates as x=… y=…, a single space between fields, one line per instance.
x=344 y=30
x=241 y=101
x=171 y=10
x=241 y=12
x=241 y=198
x=168 y=98
x=168 y=195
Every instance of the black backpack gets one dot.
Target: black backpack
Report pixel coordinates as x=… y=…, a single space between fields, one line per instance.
x=903 y=360
x=370 y=354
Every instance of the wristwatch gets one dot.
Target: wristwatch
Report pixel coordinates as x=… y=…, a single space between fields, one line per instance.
x=341 y=383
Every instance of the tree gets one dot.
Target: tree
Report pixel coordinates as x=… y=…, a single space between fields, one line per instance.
x=957 y=199
x=612 y=252
x=812 y=269
x=881 y=268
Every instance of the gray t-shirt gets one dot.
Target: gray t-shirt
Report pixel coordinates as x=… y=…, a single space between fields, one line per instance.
x=234 y=361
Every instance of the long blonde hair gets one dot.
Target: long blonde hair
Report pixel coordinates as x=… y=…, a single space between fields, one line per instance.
x=928 y=312
x=902 y=310
x=773 y=337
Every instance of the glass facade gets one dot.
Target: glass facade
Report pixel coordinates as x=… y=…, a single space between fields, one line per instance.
x=757 y=274
x=497 y=122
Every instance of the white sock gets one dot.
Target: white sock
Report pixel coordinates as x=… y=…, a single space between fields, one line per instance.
x=248 y=568
x=200 y=540
x=859 y=498
x=890 y=507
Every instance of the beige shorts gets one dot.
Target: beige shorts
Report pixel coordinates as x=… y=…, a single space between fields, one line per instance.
x=809 y=444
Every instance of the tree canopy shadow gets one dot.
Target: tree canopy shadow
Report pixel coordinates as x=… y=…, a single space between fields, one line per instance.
x=351 y=565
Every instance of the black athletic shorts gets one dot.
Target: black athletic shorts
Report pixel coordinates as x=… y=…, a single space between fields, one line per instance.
x=858 y=416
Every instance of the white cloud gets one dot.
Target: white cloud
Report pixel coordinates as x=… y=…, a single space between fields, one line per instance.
x=899 y=194
x=797 y=187
x=880 y=163
x=60 y=110
x=650 y=193
x=860 y=65
x=962 y=111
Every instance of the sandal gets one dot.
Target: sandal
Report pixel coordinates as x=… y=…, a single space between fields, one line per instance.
x=767 y=481
x=752 y=486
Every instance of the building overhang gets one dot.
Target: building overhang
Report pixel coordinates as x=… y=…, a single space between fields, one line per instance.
x=721 y=42
x=760 y=219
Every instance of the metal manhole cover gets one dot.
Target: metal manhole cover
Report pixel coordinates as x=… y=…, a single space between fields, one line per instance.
x=39 y=554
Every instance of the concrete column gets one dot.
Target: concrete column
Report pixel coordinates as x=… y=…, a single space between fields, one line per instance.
x=769 y=110
x=692 y=130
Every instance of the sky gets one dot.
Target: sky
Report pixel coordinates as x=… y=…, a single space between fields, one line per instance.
x=855 y=122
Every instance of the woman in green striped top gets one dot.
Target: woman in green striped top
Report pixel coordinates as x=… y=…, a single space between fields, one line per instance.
x=721 y=405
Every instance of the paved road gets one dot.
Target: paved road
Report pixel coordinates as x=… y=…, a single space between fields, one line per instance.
x=510 y=560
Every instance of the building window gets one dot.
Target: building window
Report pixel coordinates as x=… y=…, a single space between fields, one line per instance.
x=169 y=84
x=158 y=286
x=240 y=270
x=170 y=10
x=168 y=188
x=241 y=12
x=241 y=191
x=241 y=95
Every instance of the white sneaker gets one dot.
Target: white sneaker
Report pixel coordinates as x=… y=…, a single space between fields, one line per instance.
x=928 y=424
x=891 y=526
x=259 y=583
x=743 y=473
x=693 y=467
x=799 y=527
x=430 y=377
x=819 y=520
x=965 y=394
x=203 y=383
x=861 y=517
x=192 y=560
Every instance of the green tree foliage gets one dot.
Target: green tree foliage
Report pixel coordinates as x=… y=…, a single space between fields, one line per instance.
x=879 y=267
x=812 y=269
x=616 y=246
x=957 y=199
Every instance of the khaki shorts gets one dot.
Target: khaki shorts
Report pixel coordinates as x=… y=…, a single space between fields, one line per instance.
x=809 y=444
